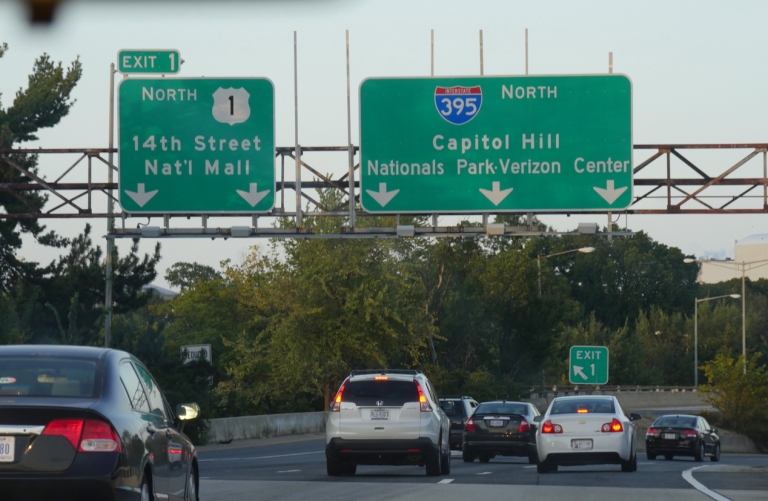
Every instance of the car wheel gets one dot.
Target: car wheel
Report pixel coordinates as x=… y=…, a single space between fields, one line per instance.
x=699 y=455
x=650 y=455
x=533 y=457
x=484 y=458
x=434 y=464
x=631 y=465
x=716 y=456
x=669 y=457
x=333 y=467
x=445 y=467
x=468 y=457
x=146 y=494
x=349 y=468
x=191 y=487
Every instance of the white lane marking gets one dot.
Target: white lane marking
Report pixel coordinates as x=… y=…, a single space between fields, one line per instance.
x=534 y=466
x=446 y=481
x=688 y=477
x=646 y=463
x=288 y=471
x=485 y=473
x=204 y=477
x=264 y=457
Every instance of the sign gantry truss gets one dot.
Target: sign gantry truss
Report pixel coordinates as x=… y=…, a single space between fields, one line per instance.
x=669 y=180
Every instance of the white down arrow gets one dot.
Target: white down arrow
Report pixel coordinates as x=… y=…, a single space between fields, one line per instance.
x=609 y=193
x=496 y=195
x=383 y=196
x=253 y=196
x=140 y=196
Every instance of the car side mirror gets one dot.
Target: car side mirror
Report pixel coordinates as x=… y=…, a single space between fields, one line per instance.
x=538 y=418
x=635 y=417
x=185 y=412
x=714 y=430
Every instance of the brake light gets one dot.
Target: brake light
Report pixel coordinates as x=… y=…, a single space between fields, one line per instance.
x=613 y=426
x=71 y=429
x=582 y=411
x=689 y=434
x=380 y=378
x=469 y=425
x=98 y=436
x=524 y=426
x=423 y=402
x=336 y=404
x=652 y=432
x=548 y=427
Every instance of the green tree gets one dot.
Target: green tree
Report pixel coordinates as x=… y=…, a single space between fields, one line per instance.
x=45 y=101
x=741 y=398
x=185 y=275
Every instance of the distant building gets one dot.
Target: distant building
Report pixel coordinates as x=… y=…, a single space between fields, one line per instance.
x=752 y=248
x=160 y=291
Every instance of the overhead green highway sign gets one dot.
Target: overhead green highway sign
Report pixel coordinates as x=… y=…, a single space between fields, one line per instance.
x=196 y=145
x=496 y=144
x=165 y=61
x=588 y=365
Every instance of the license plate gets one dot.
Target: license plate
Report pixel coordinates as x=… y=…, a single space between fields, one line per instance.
x=7 y=449
x=581 y=444
x=495 y=423
x=669 y=436
x=379 y=415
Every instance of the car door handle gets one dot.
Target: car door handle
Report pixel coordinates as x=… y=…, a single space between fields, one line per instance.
x=151 y=430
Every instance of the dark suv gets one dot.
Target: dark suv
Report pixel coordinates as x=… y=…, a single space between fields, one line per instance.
x=458 y=410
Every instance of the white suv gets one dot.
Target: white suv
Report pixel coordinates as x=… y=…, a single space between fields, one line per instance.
x=387 y=417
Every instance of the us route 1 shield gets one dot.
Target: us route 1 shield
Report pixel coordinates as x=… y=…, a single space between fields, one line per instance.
x=496 y=144
x=588 y=365
x=196 y=145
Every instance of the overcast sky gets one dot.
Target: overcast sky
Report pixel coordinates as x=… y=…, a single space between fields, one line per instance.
x=698 y=69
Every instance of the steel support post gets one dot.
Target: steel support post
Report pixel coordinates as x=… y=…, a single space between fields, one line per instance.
x=744 y=316
x=110 y=221
x=296 y=131
x=351 y=152
x=695 y=342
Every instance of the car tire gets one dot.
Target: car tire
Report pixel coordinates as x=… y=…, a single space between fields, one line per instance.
x=145 y=490
x=631 y=465
x=434 y=464
x=468 y=457
x=650 y=455
x=716 y=456
x=484 y=458
x=191 y=494
x=546 y=467
x=445 y=467
x=699 y=455
x=333 y=467
x=669 y=457
x=349 y=468
x=533 y=457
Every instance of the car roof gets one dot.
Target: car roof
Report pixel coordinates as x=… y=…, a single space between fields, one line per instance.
x=574 y=397
x=677 y=415
x=504 y=402
x=391 y=377
x=43 y=350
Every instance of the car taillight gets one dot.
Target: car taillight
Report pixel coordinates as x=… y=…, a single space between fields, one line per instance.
x=524 y=426
x=689 y=434
x=423 y=402
x=336 y=404
x=85 y=436
x=652 y=432
x=469 y=425
x=71 y=429
x=548 y=427
x=98 y=436
x=612 y=427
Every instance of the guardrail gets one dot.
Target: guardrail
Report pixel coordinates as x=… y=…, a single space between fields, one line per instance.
x=559 y=391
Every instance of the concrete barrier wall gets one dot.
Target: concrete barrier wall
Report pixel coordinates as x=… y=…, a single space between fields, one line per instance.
x=224 y=430
x=632 y=401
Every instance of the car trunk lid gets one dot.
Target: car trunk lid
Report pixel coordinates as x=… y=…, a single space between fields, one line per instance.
x=379 y=409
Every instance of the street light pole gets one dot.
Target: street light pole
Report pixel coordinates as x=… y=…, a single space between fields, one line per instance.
x=743 y=266
x=696 y=333
x=584 y=250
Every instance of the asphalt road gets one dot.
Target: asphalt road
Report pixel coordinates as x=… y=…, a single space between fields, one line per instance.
x=294 y=468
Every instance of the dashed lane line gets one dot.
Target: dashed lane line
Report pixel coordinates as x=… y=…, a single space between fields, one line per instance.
x=446 y=481
x=688 y=476
x=263 y=457
x=288 y=471
x=484 y=473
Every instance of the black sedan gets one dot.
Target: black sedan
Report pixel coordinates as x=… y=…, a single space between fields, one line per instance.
x=682 y=435
x=499 y=429
x=89 y=423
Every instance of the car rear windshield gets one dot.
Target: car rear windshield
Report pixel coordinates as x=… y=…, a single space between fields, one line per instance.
x=47 y=377
x=452 y=408
x=378 y=393
x=583 y=406
x=676 y=421
x=495 y=408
